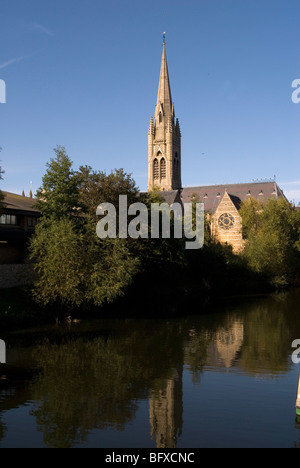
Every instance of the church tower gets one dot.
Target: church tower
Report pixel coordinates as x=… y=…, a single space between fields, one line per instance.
x=164 y=138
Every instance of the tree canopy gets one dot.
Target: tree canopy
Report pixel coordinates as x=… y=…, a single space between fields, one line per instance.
x=58 y=197
x=73 y=266
x=272 y=233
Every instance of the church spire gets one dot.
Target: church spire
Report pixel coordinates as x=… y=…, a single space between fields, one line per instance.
x=164 y=137
x=164 y=99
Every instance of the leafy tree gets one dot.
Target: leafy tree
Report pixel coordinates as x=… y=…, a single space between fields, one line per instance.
x=251 y=212
x=272 y=239
x=73 y=266
x=56 y=253
x=111 y=269
x=207 y=234
x=96 y=187
x=58 y=196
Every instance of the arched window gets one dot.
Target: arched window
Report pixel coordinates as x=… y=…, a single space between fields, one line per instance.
x=163 y=169
x=155 y=169
x=160 y=117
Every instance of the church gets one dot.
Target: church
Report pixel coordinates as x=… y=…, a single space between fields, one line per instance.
x=221 y=202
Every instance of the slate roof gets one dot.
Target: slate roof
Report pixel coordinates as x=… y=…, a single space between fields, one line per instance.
x=19 y=203
x=211 y=195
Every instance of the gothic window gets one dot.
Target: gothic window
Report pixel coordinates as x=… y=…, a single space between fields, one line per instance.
x=226 y=221
x=163 y=169
x=160 y=117
x=155 y=169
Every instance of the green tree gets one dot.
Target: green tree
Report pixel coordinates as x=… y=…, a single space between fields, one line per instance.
x=73 y=266
x=96 y=187
x=58 y=196
x=56 y=251
x=207 y=234
x=272 y=239
x=251 y=212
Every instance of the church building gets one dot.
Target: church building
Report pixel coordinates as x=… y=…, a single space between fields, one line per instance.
x=221 y=202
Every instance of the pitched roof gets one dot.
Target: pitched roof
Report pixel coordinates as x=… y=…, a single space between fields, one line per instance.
x=211 y=195
x=19 y=203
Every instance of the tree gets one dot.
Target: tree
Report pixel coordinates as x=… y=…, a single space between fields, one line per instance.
x=96 y=187
x=58 y=197
x=73 y=266
x=272 y=239
x=251 y=212
x=56 y=253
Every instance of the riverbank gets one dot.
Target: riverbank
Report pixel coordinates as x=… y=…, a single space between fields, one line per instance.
x=18 y=310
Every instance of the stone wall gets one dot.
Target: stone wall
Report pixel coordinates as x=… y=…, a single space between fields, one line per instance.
x=232 y=235
x=15 y=275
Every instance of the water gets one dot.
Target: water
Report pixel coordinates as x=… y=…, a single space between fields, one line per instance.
x=224 y=379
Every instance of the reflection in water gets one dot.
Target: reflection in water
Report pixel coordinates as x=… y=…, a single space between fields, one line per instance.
x=93 y=375
x=166 y=411
x=228 y=342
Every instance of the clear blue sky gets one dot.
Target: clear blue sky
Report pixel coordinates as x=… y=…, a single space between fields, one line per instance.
x=84 y=74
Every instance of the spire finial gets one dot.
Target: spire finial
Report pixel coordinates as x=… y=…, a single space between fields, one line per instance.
x=164 y=38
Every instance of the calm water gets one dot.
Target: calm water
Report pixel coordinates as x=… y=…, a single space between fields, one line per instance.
x=224 y=379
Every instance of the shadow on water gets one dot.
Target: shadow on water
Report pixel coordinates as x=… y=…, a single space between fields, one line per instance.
x=92 y=375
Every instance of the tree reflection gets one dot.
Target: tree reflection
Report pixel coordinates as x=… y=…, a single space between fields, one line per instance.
x=93 y=384
x=93 y=379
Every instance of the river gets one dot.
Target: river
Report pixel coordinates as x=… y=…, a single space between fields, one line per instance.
x=220 y=379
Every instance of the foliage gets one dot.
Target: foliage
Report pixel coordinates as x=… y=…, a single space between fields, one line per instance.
x=272 y=239
x=73 y=267
x=55 y=251
x=58 y=196
x=96 y=187
x=251 y=211
x=110 y=268
x=207 y=234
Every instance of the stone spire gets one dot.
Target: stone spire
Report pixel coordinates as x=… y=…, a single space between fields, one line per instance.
x=164 y=137
x=164 y=98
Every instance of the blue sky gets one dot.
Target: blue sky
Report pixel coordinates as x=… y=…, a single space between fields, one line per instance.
x=84 y=75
